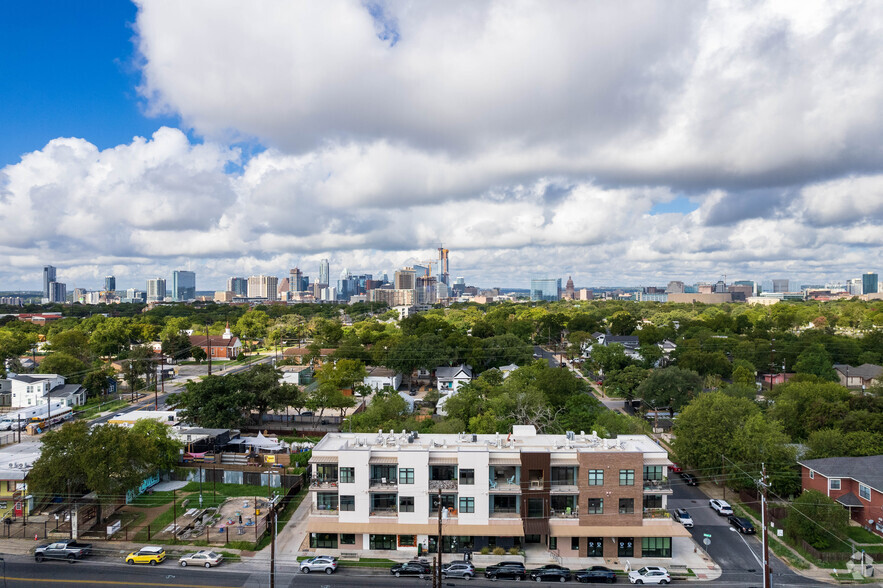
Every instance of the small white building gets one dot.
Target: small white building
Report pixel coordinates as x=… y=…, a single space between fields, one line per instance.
x=381 y=377
x=37 y=389
x=450 y=379
x=297 y=374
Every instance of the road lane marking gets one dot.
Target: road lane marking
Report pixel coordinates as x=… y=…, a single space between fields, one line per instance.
x=111 y=583
x=760 y=563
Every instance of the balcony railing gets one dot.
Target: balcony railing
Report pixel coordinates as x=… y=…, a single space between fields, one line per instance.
x=657 y=486
x=383 y=483
x=443 y=484
x=656 y=513
x=565 y=513
x=537 y=484
x=569 y=487
x=323 y=482
x=384 y=512
x=504 y=513
x=322 y=509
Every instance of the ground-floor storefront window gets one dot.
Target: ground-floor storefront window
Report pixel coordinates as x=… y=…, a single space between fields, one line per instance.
x=626 y=547
x=323 y=540
x=656 y=547
x=382 y=542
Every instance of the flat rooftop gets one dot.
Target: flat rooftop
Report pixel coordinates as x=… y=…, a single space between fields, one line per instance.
x=393 y=441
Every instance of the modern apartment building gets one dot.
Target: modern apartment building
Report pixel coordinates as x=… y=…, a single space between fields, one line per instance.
x=183 y=285
x=263 y=287
x=156 y=290
x=238 y=286
x=576 y=495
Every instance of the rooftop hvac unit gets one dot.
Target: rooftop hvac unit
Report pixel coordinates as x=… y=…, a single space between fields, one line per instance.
x=570 y=435
x=474 y=438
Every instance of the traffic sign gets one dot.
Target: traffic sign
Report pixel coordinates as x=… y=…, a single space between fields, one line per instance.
x=707 y=535
x=707 y=541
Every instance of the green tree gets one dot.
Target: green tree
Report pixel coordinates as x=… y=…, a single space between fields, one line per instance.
x=387 y=411
x=608 y=358
x=199 y=355
x=624 y=382
x=96 y=381
x=213 y=402
x=253 y=325
x=760 y=441
x=622 y=323
x=704 y=431
x=671 y=386
x=110 y=337
x=818 y=520
x=805 y=406
x=63 y=364
x=815 y=360
x=176 y=345
x=73 y=343
x=837 y=443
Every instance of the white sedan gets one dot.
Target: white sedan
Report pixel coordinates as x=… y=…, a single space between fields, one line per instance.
x=650 y=575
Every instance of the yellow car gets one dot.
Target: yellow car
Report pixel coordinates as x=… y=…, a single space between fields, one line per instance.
x=151 y=554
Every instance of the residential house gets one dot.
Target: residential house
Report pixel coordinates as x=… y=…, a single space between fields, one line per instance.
x=506 y=370
x=37 y=389
x=574 y=496
x=299 y=355
x=218 y=347
x=449 y=379
x=863 y=376
x=16 y=461
x=299 y=375
x=380 y=377
x=854 y=482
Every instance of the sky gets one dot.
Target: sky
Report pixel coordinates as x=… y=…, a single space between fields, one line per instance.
x=621 y=143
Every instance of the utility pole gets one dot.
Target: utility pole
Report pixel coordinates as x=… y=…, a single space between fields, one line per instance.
x=724 y=473
x=436 y=574
x=162 y=380
x=271 y=516
x=767 y=579
x=772 y=350
x=208 y=346
x=174 y=515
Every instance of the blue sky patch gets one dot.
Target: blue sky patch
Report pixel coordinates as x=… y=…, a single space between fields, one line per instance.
x=681 y=204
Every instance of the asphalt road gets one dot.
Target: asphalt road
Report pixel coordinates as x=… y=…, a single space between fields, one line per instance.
x=739 y=556
x=540 y=352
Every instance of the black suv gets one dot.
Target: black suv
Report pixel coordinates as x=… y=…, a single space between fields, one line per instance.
x=689 y=479
x=550 y=572
x=742 y=524
x=595 y=574
x=513 y=570
x=411 y=568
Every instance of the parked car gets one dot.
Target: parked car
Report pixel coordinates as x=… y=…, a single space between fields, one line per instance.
x=306 y=413
x=741 y=524
x=458 y=569
x=151 y=554
x=650 y=575
x=595 y=575
x=683 y=517
x=550 y=573
x=721 y=507
x=204 y=558
x=512 y=570
x=675 y=468
x=68 y=550
x=411 y=568
x=689 y=479
x=320 y=563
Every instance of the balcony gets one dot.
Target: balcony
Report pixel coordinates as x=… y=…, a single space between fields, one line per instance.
x=660 y=514
x=505 y=485
x=537 y=484
x=323 y=483
x=505 y=513
x=564 y=487
x=383 y=484
x=384 y=512
x=324 y=510
x=566 y=513
x=443 y=484
x=657 y=487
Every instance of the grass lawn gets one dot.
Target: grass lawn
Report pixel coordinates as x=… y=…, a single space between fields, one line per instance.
x=93 y=407
x=860 y=535
x=227 y=490
x=150 y=500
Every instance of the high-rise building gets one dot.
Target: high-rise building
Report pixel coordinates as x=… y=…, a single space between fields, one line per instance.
x=263 y=287
x=183 y=285
x=48 y=276
x=720 y=287
x=545 y=289
x=854 y=286
x=156 y=290
x=751 y=283
x=443 y=266
x=675 y=287
x=324 y=272
x=110 y=283
x=239 y=286
x=57 y=292
x=780 y=286
x=297 y=281
x=869 y=283
x=405 y=279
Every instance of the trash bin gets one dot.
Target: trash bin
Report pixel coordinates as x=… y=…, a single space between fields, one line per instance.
x=419 y=549
x=869 y=570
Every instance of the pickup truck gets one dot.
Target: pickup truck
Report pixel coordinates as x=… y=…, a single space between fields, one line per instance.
x=68 y=550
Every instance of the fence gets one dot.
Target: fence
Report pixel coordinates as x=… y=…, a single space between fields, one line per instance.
x=24 y=530
x=825 y=556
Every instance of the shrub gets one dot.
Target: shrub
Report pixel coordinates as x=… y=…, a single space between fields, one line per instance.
x=513 y=551
x=485 y=550
x=499 y=551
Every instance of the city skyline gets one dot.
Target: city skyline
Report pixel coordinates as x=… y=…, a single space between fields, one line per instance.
x=721 y=143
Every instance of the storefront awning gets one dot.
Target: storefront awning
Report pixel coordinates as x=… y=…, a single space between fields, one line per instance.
x=670 y=529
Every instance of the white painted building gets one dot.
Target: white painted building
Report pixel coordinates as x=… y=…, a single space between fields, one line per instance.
x=381 y=491
x=37 y=389
x=380 y=377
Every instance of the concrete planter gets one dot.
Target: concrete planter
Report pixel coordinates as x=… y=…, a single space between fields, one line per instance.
x=483 y=561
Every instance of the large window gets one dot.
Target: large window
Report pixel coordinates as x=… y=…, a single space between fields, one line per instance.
x=467 y=477
x=596 y=477
x=326 y=501
x=563 y=476
x=447 y=501
x=595 y=547
x=383 y=503
x=407 y=540
x=467 y=504
x=834 y=483
x=653 y=472
x=535 y=508
x=596 y=506
x=626 y=477
x=864 y=491
x=406 y=503
x=323 y=540
x=656 y=547
x=347 y=475
x=574 y=543
x=652 y=501
x=406 y=476
x=383 y=474
x=347 y=539
x=626 y=505
x=626 y=547
x=442 y=472
x=326 y=472
x=382 y=542
x=347 y=503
